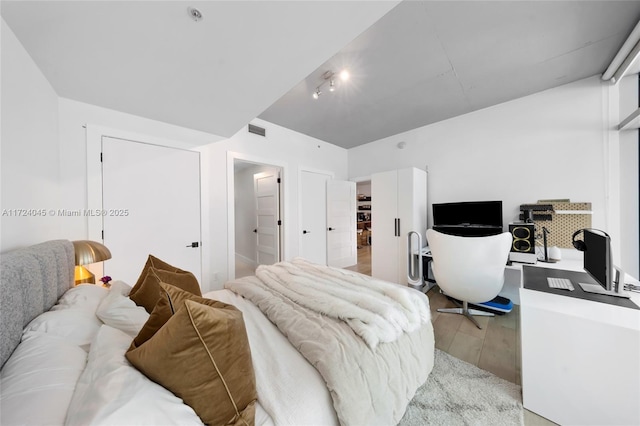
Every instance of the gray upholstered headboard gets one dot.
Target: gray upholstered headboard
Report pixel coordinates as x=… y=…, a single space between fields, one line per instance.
x=32 y=279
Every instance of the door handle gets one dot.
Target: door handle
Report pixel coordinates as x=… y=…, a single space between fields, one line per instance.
x=330 y=229
x=306 y=232
x=255 y=230
x=194 y=244
x=396 y=227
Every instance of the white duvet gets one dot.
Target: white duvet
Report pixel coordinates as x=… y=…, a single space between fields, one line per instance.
x=369 y=384
x=289 y=388
x=375 y=310
x=63 y=373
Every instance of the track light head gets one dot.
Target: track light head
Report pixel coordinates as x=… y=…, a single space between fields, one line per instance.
x=330 y=77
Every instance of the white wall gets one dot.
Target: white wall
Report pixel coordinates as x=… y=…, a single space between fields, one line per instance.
x=628 y=172
x=30 y=150
x=281 y=147
x=548 y=145
x=75 y=167
x=45 y=164
x=552 y=144
x=44 y=152
x=74 y=116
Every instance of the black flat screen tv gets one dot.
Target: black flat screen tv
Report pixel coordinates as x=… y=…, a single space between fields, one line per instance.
x=468 y=217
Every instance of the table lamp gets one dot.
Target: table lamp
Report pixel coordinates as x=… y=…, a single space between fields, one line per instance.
x=88 y=252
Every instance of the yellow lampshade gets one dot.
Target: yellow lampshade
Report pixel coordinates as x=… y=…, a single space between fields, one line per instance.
x=83 y=275
x=87 y=252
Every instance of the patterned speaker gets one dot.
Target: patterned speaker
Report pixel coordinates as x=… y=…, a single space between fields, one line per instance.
x=523 y=247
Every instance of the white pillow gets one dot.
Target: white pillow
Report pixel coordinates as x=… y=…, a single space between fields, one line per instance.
x=38 y=381
x=76 y=326
x=112 y=392
x=82 y=296
x=121 y=287
x=120 y=312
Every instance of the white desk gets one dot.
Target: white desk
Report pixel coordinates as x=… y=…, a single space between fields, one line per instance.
x=571 y=261
x=580 y=359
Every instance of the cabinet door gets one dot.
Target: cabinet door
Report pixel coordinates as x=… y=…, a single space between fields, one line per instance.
x=399 y=205
x=384 y=212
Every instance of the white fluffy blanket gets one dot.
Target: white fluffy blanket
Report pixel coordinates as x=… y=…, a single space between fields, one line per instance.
x=371 y=341
x=375 y=310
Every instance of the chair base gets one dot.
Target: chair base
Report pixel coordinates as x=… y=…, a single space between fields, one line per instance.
x=464 y=310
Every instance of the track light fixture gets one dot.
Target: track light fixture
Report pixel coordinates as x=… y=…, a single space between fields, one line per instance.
x=330 y=76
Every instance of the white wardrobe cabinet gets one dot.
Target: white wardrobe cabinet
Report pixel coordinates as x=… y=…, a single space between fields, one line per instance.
x=398 y=206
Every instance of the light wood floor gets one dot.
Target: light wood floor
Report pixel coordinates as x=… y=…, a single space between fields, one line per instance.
x=494 y=348
x=244 y=268
x=364 y=261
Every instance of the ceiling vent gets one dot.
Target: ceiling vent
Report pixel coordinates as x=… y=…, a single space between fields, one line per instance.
x=257 y=130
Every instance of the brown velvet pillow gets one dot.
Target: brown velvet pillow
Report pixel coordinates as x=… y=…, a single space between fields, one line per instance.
x=152 y=262
x=170 y=297
x=149 y=292
x=202 y=355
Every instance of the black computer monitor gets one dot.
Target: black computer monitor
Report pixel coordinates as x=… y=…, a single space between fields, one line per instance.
x=597 y=258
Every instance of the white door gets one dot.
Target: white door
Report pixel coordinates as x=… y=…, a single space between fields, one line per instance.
x=384 y=226
x=266 y=189
x=313 y=216
x=151 y=205
x=341 y=224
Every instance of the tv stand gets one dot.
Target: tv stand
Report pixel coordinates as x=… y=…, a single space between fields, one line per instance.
x=468 y=230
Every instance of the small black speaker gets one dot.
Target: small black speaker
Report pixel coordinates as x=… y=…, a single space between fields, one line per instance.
x=523 y=237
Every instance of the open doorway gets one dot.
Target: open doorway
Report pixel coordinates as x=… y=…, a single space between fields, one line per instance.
x=364 y=235
x=257 y=216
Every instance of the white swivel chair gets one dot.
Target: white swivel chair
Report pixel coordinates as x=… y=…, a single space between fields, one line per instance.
x=470 y=269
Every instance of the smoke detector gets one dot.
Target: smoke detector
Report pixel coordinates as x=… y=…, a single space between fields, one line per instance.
x=195 y=14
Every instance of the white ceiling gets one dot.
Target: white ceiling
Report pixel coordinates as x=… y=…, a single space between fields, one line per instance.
x=427 y=61
x=423 y=62
x=149 y=58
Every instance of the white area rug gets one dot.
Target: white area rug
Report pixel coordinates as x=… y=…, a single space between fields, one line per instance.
x=458 y=393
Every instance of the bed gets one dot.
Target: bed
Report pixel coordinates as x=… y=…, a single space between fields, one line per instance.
x=318 y=354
